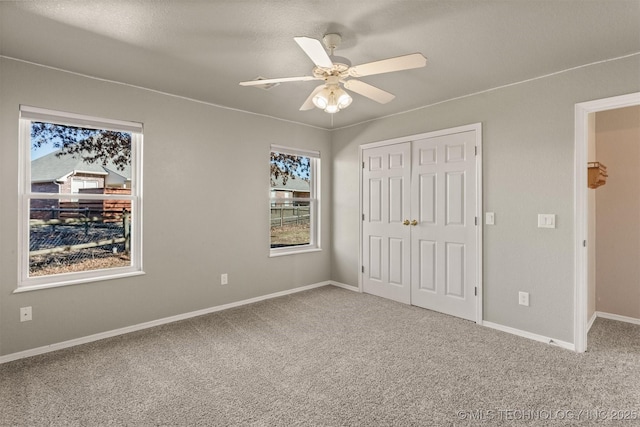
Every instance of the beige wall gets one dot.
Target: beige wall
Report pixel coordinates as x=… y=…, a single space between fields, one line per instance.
x=206 y=209
x=618 y=213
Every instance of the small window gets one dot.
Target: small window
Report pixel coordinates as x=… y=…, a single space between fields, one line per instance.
x=80 y=192
x=78 y=184
x=294 y=200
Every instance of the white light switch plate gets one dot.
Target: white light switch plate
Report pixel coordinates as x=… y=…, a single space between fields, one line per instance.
x=489 y=218
x=546 y=220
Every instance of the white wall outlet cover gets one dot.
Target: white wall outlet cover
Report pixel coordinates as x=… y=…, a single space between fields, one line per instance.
x=523 y=298
x=224 y=279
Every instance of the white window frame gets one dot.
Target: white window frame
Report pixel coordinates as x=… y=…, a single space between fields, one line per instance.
x=31 y=114
x=313 y=199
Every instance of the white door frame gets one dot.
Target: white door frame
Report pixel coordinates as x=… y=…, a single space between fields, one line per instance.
x=472 y=127
x=581 y=211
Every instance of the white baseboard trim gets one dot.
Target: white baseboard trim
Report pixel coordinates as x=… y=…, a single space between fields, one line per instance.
x=344 y=286
x=593 y=319
x=530 y=335
x=140 y=326
x=617 y=317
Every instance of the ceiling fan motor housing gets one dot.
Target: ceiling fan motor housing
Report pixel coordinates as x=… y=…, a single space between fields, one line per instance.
x=338 y=70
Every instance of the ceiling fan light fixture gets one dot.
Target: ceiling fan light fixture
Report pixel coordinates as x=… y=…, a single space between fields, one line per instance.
x=331 y=109
x=336 y=71
x=321 y=100
x=344 y=100
x=332 y=99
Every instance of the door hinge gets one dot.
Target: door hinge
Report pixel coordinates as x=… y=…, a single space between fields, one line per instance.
x=362 y=165
x=476 y=291
x=363 y=268
x=476 y=150
x=584 y=243
x=363 y=217
x=476 y=220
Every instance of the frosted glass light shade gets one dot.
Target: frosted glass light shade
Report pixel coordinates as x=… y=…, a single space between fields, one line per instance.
x=321 y=100
x=332 y=99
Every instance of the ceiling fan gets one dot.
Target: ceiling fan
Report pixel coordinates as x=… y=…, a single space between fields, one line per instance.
x=329 y=96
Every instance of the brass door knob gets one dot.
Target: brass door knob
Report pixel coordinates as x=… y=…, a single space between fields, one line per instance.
x=414 y=222
x=406 y=222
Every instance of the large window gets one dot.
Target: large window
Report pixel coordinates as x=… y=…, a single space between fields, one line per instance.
x=80 y=198
x=294 y=200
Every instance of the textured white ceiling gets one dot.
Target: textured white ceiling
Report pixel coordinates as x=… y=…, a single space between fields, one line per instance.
x=203 y=49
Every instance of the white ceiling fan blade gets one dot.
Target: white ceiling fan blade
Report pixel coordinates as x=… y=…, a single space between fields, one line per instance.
x=372 y=92
x=314 y=50
x=308 y=104
x=280 y=80
x=406 y=62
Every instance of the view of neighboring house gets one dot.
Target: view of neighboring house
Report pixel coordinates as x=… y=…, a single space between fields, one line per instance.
x=295 y=187
x=67 y=174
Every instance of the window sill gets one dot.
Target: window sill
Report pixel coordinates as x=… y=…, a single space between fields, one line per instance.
x=37 y=287
x=291 y=251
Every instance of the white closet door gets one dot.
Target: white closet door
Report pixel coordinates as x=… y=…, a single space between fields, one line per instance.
x=386 y=206
x=443 y=242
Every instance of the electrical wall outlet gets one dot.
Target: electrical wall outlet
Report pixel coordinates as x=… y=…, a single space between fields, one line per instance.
x=224 y=279
x=523 y=298
x=25 y=314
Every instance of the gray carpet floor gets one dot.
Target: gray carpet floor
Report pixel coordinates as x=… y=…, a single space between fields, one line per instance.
x=327 y=357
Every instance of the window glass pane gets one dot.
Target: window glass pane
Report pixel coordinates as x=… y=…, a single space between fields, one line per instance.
x=290 y=217
x=290 y=225
x=65 y=159
x=79 y=236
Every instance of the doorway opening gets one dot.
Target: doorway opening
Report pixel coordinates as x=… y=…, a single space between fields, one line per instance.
x=585 y=235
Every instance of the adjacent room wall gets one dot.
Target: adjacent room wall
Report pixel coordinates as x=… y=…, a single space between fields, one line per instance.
x=528 y=151
x=618 y=212
x=206 y=172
